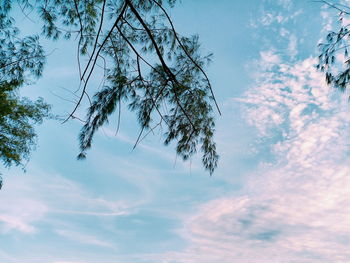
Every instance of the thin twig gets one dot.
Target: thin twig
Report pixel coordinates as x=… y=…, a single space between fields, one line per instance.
x=159 y=54
x=187 y=54
x=92 y=68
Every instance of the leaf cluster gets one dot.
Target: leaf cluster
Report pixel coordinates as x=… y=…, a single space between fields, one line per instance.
x=17 y=117
x=21 y=60
x=147 y=65
x=334 y=57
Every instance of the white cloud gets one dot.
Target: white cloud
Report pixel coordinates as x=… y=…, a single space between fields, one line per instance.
x=269 y=59
x=282 y=95
x=32 y=199
x=84 y=238
x=296 y=208
x=280 y=13
x=21 y=215
x=293 y=45
x=18 y=212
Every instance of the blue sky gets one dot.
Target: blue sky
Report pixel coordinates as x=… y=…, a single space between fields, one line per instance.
x=282 y=189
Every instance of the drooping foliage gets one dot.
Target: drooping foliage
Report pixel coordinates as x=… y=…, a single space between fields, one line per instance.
x=21 y=60
x=334 y=58
x=17 y=117
x=158 y=73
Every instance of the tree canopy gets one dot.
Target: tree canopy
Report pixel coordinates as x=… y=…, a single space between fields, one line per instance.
x=21 y=60
x=147 y=65
x=334 y=57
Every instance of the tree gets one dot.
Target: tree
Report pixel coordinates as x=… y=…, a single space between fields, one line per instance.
x=20 y=59
x=147 y=65
x=336 y=68
x=17 y=118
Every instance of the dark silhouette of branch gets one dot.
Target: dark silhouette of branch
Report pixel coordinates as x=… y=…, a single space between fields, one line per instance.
x=186 y=52
x=160 y=56
x=94 y=63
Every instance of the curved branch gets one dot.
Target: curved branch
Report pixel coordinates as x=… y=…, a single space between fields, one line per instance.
x=96 y=41
x=94 y=63
x=159 y=54
x=187 y=54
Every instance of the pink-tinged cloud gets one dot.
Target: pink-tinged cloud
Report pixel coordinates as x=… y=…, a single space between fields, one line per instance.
x=295 y=209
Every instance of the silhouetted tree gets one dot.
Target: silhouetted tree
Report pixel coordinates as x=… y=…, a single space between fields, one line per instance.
x=20 y=60
x=158 y=73
x=336 y=68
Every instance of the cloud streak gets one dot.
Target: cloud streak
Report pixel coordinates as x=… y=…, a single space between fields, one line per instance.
x=294 y=209
x=30 y=200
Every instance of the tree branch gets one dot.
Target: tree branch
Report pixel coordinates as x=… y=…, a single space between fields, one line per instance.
x=97 y=54
x=187 y=54
x=159 y=54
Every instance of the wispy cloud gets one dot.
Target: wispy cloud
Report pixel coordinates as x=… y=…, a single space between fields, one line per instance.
x=18 y=212
x=293 y=209
x=83 y=238
x=23 y=206
x=281 y=13
x=290 y=203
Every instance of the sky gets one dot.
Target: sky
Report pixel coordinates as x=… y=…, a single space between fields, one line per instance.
x=281 y=192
